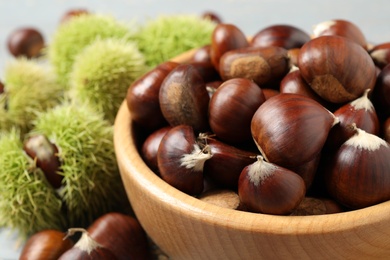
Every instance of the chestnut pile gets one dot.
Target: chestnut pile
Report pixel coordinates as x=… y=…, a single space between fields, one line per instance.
x=282 y=118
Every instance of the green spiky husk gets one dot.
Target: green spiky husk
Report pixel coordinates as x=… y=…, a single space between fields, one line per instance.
x=27 y=202
x=30 y=87
x=73 y=36
x=167 y=36
x=102 y=73
x=92 y=185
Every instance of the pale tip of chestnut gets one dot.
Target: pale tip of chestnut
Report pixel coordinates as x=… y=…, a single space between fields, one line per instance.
x=319 y=28
x=363 y=102
x=196 y=159
x=363 y=140
x=85 y=243
x=380 y=55
x=260 y=166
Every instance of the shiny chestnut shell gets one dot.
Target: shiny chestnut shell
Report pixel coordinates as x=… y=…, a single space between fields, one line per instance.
x=142 y=97
x=336 y=68
x=281 y=35
x=226 y=37
x=25 y=41
x=184 y=99
x=291 y=129
x=231 y=109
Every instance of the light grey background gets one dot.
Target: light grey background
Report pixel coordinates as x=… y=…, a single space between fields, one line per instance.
x=249 y=15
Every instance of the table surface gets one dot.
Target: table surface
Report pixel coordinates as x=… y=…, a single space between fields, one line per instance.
x=249 y=15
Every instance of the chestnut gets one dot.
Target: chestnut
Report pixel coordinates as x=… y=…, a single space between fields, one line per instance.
x=47 y=244
x=360 y=112
x=212 y=16
x=358 y=174
x=86 y=248
x=281 y=35
x=386 y=130
x=202 y=54
x=264 y=65
x=268 y=188
x=293 y=56
x=1 y=88
x=121 y=234
x=317 y=206
x=25 y=41
x=291 y=129
x=150 y=147
x=336 y=68
x=142 y=97
x=73 y=13
x=269 y=92
x=226 y=37
x=381 y=54
x=181 y=159
x=294 y=83
x=226 y=163
x=231 y=109
x=45 y=154
x=343 y=28
x=184 y=99
x=381 y=93
x=223 y=198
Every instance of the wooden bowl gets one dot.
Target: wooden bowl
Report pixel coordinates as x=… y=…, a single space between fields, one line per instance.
x=187 y=228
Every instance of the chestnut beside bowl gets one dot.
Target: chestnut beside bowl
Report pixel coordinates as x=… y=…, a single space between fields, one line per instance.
x=187 y=228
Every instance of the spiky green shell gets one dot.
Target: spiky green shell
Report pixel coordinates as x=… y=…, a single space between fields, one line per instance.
x=73 y=36
x=28 y=204
x=92 y=185
x=170 y=35
x=30 y=87
x=102 y=73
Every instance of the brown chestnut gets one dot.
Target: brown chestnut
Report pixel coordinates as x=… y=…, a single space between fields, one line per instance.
x=381 y=93
x=386 y=130
x=86 y=248
x=336 y=68
x=143 y=97
x=358 y=175
x=223 y=198
x=268 y=188
x=317 y=206
x=1 y=88
x=294 y=83
x=231 y=109
x=226 y=163
x=150 y=147
x=263 y=65
x=47 y=244
x=25 y=41
x=202 y=54
x=121 y=234
x=343 y=28
x=181 y=159
x=45 y=154
x=360 y=112
x=184 y=98
x=269 y=92
x=212 y=16
x=381 y=54
x=280 y=35
x=226 y=37
x=291 y=129
x=71 y=13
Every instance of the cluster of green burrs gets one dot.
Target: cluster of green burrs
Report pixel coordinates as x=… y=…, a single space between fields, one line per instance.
x=71 y=95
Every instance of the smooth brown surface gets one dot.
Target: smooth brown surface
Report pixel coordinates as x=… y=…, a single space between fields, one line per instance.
x=187 y=228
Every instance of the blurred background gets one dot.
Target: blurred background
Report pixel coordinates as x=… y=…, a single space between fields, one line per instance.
x=249 y=15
